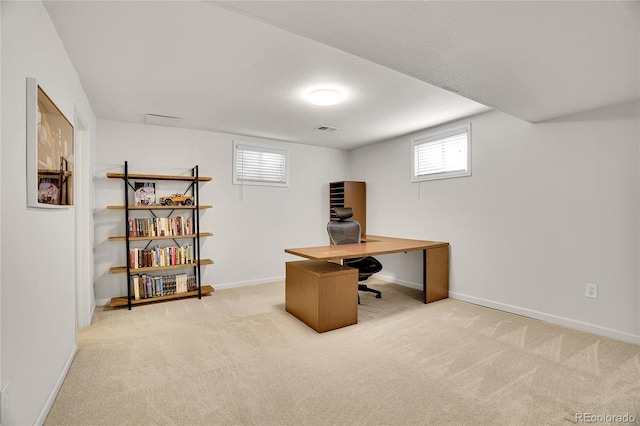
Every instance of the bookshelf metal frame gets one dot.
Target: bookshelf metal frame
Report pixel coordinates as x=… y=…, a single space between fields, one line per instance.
x=194 y=188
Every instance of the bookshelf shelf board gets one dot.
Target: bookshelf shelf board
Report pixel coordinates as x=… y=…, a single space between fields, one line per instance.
x=122 y=301
x=158 y=177
x=158 y=207
x=170 y=237
x=123 y=269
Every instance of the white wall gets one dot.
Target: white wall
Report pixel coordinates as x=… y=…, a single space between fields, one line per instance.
x=38 y=306
x=1 y=382
x=549 y=207
x=250 y=230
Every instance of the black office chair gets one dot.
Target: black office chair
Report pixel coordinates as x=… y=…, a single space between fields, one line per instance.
x=344 y=231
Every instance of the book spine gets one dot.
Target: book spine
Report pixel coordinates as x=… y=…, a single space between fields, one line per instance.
x=148 y=287
x=142 y=287
x=135 y=284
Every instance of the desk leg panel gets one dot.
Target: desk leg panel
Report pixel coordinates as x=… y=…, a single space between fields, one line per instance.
x=436 y=274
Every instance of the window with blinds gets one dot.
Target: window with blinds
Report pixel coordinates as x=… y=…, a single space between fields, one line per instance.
x=442 y=155
x=255 y=164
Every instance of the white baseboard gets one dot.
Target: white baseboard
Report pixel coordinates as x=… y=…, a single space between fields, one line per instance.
x=395 y=280
x=249 y=282
x=554 y=319
x=102 y=302
x=92 y=313
x=42 y=416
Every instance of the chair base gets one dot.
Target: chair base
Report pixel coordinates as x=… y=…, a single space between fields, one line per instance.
x=366 y=267
x=363 y=287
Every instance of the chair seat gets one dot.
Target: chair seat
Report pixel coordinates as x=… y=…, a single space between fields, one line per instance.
x=366 y=266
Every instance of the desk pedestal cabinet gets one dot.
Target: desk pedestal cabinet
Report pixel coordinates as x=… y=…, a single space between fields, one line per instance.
x=323 y=295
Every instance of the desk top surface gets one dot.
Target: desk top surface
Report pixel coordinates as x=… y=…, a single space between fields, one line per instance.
x=373 y=245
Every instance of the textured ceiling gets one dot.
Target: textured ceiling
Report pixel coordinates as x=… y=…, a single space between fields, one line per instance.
x=532 y=59
x=246 y=67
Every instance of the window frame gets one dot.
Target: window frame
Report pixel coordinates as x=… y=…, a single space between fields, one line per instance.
x=438 y=136
x=259 y=147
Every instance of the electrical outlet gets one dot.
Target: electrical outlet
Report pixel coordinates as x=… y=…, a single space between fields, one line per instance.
x=592 y=291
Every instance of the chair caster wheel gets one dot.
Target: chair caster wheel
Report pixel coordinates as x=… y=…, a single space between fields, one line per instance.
x=378 y=296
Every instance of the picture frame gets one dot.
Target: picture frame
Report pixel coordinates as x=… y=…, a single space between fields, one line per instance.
x=144 y=193
x=48 y=190
x=50 y=151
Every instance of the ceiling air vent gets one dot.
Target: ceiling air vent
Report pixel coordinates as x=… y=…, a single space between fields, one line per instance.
x=327 y=128
x=162 y=120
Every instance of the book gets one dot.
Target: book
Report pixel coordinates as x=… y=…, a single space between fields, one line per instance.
x=136 y=286
x=149 y=289
x=145 y=193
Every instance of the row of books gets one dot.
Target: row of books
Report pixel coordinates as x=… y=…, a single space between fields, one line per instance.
x=147 y=286
x=160 y=256
x=160 y=226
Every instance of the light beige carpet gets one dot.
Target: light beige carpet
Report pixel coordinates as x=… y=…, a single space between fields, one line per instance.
x=238 y=358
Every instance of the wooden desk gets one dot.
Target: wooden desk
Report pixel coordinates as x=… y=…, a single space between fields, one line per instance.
x=435 y=258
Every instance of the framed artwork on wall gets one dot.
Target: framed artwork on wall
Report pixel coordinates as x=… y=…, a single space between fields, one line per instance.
x=50 y=159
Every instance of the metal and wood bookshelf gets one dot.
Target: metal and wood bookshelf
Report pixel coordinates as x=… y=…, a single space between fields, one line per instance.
x=166 y=211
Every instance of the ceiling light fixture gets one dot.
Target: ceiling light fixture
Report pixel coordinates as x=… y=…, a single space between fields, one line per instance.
x=325 y=97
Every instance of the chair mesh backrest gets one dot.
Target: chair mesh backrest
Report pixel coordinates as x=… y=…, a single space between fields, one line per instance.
x=344 y=231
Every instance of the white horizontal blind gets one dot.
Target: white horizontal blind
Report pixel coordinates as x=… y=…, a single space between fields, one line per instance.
x=442 y=155
x=259 y=165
